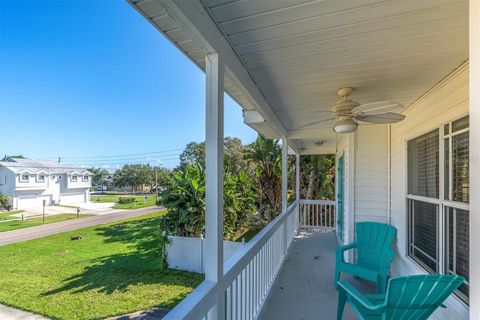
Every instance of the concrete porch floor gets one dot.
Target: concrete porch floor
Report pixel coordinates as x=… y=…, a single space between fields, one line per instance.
x=304 y=287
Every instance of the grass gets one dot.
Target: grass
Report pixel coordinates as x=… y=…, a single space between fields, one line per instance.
x=19 y=224
x=247 y=234
x=114 y=269
x=139 y=201
x=7 y=215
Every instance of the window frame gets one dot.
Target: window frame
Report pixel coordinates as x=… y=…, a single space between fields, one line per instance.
x=442 y=203
x=24 y=180
x=41 y=175
x=85 y=178
x=72 y=178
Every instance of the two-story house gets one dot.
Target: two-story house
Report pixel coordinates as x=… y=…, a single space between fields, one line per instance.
x=30 y=182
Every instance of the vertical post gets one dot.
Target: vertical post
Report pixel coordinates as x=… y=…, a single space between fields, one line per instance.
x=297 y=187
x=156 y=185
x=284 y=189
x=214 y=178
x=474 y=84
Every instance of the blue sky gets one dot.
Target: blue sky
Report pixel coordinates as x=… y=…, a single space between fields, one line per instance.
x=94 y=78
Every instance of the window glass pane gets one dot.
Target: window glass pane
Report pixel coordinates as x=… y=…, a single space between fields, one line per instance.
x=446 y=170
x=423 y=165
x=458 y=246
x=423 y=233
x=460 y=166
x=446 y=129
x=460 y=124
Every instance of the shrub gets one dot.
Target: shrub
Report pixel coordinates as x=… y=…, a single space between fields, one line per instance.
x=5 y=202
x=126 y=200
x=184 y=199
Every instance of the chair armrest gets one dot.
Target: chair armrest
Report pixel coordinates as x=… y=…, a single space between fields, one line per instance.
x=385 y=266
x=347 y=247
x=359 y=297
x=341 y=249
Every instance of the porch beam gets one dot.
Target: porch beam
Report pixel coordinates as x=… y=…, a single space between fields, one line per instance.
x=195 y=21
x=214 y=176
x=474 y=85
x=320 y=134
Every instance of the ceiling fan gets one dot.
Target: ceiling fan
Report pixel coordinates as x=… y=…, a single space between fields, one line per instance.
x=349 y=113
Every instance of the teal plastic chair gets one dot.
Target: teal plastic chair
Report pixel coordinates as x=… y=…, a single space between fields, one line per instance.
x=373 y=243
x=414 y=297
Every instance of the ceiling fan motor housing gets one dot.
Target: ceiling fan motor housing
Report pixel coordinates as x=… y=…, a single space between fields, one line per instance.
x=344 y=107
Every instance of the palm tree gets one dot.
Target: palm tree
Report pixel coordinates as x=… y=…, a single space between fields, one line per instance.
x=265 y=155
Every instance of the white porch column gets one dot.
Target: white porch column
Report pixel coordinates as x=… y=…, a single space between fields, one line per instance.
x=474 y=158
x=284 y=189
x=214 y=178
x=297 y=188
x=297 y=177
x=284 y=174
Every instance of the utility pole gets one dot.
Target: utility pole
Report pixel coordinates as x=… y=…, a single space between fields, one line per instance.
x=156 y=184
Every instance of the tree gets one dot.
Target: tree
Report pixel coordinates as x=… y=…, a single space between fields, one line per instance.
x=317 y=177
x=5 y=202
x=9 y=158
x=265 y=155
x=194 y=153
x=99 y=176
x=134 y=175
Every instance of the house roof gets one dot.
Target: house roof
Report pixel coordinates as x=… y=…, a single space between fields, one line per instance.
x=18 y=165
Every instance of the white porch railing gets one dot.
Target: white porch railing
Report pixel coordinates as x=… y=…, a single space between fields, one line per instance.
x=248 y=275
x=317 y=214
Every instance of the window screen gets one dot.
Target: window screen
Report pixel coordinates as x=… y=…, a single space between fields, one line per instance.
x=460 y=168
x=423 y=233
x=457 y=229
x=423 y=165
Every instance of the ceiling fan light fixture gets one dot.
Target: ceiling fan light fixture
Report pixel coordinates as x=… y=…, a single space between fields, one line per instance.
x=345 y=125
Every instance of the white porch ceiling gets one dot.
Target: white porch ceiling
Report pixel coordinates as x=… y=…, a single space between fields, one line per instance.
x=299 y=52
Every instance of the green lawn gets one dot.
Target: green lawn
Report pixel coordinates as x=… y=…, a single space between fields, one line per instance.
x=139 y=201
x=7 y=215
x=112 y=270
x=19 y=224
x=247 y=234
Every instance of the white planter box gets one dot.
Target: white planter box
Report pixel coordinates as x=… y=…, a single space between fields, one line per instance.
x=186 y=253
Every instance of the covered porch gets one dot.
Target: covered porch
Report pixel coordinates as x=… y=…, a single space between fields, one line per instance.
x=305 y=283
x=283 y=61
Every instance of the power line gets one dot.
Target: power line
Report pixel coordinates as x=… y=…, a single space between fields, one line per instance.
x=125 y=155
x=151 y=158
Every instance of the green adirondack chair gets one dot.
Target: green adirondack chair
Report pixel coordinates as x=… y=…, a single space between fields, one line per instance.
x=373 y=243
x=414 y=297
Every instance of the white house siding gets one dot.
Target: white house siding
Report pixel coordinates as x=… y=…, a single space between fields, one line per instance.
x=445 y=102
x=371 y=173
x=376 y=156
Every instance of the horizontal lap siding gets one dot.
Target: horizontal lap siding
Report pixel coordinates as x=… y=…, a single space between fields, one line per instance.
x=371 y=168
x=445 y=102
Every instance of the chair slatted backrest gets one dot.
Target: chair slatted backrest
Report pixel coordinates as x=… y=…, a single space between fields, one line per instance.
x=417 y=297
x=375 y=240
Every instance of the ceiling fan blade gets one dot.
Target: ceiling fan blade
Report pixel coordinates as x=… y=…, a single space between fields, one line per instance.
x=315 y=122
x=388 y=117
x=317 y=111
x=378 y=107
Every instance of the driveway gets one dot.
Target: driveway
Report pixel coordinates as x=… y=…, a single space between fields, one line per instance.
x=69 y=225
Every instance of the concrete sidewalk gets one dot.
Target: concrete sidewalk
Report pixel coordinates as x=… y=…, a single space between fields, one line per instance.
x=7 y=313
x=69 y=225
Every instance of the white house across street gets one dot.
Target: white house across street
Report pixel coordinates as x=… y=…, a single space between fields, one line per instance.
x=30 y=182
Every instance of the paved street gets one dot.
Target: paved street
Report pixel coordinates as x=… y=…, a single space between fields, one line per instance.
x=68 y=225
